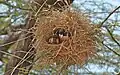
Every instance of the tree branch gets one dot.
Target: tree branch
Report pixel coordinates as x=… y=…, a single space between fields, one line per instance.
x=109 y=16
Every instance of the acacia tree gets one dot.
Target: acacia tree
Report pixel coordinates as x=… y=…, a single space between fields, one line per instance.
x=16 y=49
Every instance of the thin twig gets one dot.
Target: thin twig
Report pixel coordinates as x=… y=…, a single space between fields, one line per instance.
x=41 y=7
x=111 y=49
x=113 y=37
x=15 y=41
x=13 y=55
x=108 y=16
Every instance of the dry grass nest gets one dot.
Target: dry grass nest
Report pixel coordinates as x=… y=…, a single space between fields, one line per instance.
x=79 y=47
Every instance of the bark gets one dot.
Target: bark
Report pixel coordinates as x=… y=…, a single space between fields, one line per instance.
x=25 y=51
x=7 y=43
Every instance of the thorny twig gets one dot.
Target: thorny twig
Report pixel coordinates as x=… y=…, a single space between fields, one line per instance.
x=111 y=49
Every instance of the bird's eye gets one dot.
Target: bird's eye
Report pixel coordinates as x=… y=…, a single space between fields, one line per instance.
x=67 y=33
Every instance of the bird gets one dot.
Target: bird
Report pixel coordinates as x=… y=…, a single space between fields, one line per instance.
x=62 y=33
x=54 y=39
x=59 y=32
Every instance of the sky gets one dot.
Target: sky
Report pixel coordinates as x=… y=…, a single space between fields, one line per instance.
x=114 y=2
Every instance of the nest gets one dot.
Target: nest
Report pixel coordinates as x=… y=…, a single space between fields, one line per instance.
x=76 y=50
